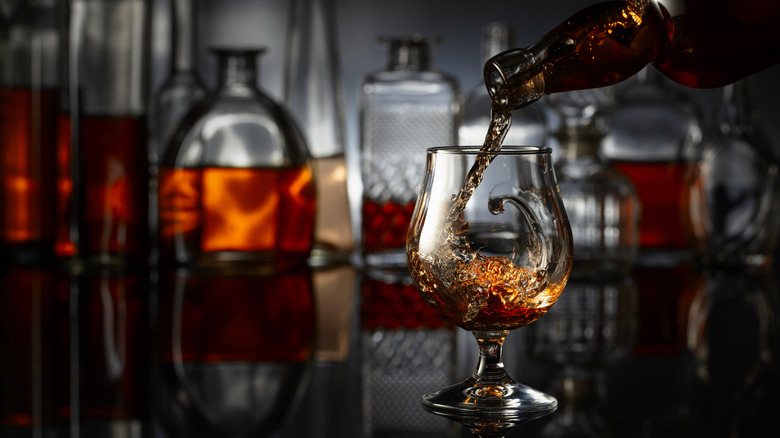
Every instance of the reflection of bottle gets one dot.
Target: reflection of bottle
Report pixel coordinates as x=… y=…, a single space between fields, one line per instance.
x=107 y=105
x=28 y=107
x=653 y=132
x=181 y=89
x=405 y=109
x=236 y=184
x=698 y=43
x=315 y=97
x=734 y=187
x=233 y=350
x=528 y=125
x=406 y=350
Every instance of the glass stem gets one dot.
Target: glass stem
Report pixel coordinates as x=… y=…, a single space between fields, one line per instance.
x=490 y=367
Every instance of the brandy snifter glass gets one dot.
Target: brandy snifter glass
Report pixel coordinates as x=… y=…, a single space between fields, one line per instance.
x=490 y=250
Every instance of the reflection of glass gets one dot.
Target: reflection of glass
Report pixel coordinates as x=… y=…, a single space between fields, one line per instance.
x=29 y=65
x=528 y=125
x=652 y=133
x=732 y=339
x=314 y=95
x=236 y=185
x=233 y=351
x=404 y=346
x=494 y=264
x=734 y=186
x=404 y=109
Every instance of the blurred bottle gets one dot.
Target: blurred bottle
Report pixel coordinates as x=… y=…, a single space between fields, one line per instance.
x=406 y=351
x=734 y=186
x=29 y=67
x=697 y=43
x=234 y=351
x=652 y=135
x=236 y=184
x=102 y=140
x=601 y=203
x=315 y=97
x=180 y=91
x=404 y=109
x=528 y=124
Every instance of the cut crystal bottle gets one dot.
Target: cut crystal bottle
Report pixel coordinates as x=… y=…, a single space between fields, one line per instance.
x=405 y=108
x=652 y=135
x=237 y=184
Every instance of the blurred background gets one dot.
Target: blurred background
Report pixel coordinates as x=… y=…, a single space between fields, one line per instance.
x=198 y=244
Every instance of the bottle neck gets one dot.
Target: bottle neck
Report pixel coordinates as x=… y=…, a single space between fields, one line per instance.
x=237 y=69
x=410 y=54
x=184 y=32
x=496 y=38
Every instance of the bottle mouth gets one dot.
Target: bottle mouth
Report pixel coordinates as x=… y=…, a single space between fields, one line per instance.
x=513 y=79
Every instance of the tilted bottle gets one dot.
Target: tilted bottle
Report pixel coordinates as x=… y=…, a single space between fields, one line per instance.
x=404 y=109
x=697 y=43
x=236 y=183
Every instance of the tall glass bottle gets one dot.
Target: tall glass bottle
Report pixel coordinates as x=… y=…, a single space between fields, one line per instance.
x=236 y=184
x=652 y=136
x=104 y=132
x=697 y=43
x=405 y=108
x=733 y=187
x=314 y=95
x=180 y=91
x=28 y=108
x=528 y=124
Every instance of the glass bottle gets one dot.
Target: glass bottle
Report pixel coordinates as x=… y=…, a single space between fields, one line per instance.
x=601 y=203
x=181 y=90
x=405 y=108
x=733 y=187
x=236 y=185
x=103 y=139
x=28 y=107
x=653 y=132
x=697 y=43
x=528 y=124
x=314 y=95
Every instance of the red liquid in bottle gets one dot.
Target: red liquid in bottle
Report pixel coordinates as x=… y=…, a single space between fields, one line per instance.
x=27 y=139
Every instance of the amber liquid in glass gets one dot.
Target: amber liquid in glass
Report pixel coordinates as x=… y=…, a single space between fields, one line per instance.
x=212 y=210
x=27 y=143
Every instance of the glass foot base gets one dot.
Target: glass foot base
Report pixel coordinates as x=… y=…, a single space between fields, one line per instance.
x=485 y=407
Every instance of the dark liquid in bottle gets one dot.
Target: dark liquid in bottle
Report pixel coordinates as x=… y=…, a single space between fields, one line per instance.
x=27 y=139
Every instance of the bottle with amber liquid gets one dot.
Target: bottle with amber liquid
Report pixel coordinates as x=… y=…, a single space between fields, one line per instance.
x=29 y=63
x=697 y=43
x=236 y=183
